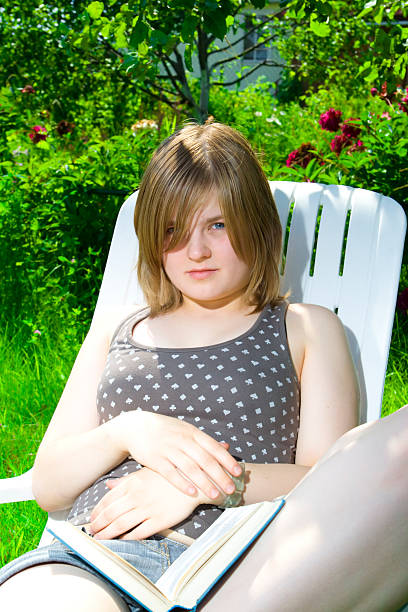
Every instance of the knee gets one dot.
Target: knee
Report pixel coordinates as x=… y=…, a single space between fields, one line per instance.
x=395 y=444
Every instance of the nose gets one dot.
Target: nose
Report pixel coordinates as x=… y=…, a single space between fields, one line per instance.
x=197 y=247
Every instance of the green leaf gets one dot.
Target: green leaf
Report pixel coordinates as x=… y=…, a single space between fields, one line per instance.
x=188 y=28
x=400 y=66
x=320 y=29
x=139 y=34
x=120 y=37
x=187 y=58
x=382 y=42
x=106 y=30
x=230 y=21
x=95 y=9
x=215 y=24
x=158 y=38
x=143 y=48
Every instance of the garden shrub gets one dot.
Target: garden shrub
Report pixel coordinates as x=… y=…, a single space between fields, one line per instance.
x=59 y=197
x=61 y=184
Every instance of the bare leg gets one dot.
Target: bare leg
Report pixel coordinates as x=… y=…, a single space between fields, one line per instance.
x=59 y=587
x=341 y=541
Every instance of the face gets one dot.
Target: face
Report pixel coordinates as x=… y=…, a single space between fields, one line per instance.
x=205 y=267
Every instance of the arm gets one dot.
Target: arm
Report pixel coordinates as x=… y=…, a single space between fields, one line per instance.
x=329 y=408
x=76 y=451
x=329 y=398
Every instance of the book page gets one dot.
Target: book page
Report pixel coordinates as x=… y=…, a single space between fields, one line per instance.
x=112 y=566
x=203 y=548
x=208 y=574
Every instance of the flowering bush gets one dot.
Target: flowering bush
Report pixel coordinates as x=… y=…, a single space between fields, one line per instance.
x=369 y=149
x=330 y=120
x=65 y=127
x=302 y=156
x=38 y=133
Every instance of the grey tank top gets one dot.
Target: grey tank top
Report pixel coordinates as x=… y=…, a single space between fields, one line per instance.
x=244 y=391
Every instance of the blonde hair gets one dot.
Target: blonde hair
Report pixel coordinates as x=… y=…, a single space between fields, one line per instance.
x=186 y=167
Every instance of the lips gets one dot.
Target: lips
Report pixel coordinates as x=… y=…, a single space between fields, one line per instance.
x=203 y=273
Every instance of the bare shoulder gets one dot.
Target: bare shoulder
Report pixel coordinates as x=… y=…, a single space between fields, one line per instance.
x=312 y=320
x=310 y=326
x=106 y=321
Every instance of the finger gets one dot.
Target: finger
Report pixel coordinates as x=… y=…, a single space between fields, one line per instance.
x=122 y=525
x=196 y=471
x=110 y=497
x=109 y=512
x=219 y=452
x=169 y=471
x=143 y=531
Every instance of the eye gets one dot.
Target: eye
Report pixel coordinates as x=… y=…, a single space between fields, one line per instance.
x=218 y=225
x=170 y=230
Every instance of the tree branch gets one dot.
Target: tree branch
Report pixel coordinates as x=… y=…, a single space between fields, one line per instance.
x=242 y=53
x=244 y=76
x=247 y=33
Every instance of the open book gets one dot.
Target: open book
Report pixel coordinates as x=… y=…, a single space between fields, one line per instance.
x=196 y=570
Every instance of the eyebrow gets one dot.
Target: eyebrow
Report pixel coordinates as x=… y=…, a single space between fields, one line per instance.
x=212 y=219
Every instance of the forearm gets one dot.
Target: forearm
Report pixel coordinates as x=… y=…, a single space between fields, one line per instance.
x=63 y=468
x=266 y=481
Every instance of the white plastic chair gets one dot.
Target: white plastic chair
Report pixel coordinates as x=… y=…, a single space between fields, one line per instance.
x=358 y=239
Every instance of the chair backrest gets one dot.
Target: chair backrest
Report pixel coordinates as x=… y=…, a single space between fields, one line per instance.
x=342 y=249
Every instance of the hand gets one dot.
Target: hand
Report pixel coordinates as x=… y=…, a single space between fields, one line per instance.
x=140 y=505
x=178 y=451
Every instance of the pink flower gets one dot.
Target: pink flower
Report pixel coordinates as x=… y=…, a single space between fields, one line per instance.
x=28 y=89
x=403 y=104
x=39 y=133
x=37 y=331
x=350 y=129
x=302 y=156
x=402 y=300
x=386 y=115
x=374 y=91
x=357 y=146
x=330 y=120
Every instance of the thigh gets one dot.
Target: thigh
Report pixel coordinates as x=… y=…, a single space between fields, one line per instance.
x=340 y=543
x=58 y=586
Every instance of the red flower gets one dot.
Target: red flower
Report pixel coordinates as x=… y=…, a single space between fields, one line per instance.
x=403 y=104
x=39 y=133
x=402 y=300
x=338 y=143
x=28 y=89
x=330 y=120
x=350 y=129
x=302 y=156
x=65 y=127
x=374 y=91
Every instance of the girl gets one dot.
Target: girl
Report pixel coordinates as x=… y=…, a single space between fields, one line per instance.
x=165 y=403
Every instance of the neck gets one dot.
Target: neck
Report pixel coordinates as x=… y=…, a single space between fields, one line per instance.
x=226 y=306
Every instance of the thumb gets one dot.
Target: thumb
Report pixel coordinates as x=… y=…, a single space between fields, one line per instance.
x=114 y=482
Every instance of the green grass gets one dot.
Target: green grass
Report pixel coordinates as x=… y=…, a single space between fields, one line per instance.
x=34 y=369
x=33 y=372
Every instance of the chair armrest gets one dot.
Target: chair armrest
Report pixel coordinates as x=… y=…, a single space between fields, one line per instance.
x=16 y=489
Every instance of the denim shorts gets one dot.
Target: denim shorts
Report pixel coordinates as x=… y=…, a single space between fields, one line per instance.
x=151 y=557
